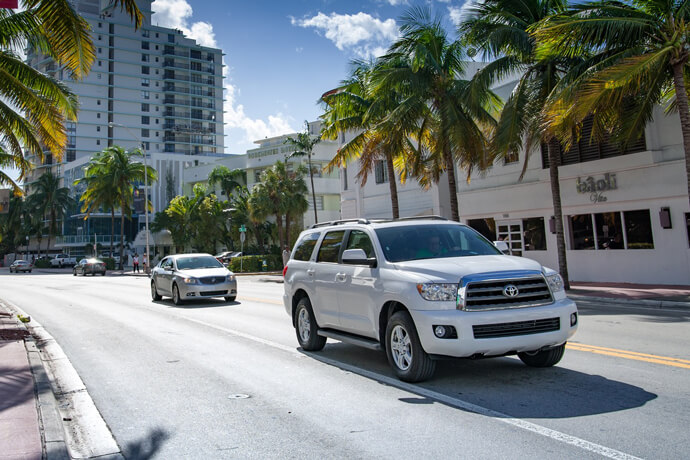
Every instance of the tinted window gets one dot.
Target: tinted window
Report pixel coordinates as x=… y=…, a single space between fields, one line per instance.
x=330 y=247
x=412 y=242
x=306 y=246
x=360 y=240
x=192 y=263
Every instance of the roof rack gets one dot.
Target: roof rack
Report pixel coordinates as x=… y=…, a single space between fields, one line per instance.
x=431 y=217
x=340 y=222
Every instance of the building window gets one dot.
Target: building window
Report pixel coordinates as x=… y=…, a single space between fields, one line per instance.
x=609 y=230
x=171 y=38
x=100 y=50
x=487 y=227
x=612 y=230
x=98 y=142
x=98 y=129
x=319 y=203
x=638 y=229
x=100 y=37
x=145 y=58
x=100 y=63
x=98 y=115
x=380 y=172
x=100 y=24
x=98 y=102
x=534 y=233
x=145 y=107
x=147 y=146
x=144 y=45
x=581 y=232
x=145 y=95
x=98 y=76
x=511 y=157
x=145 y=120
x=144 y=132
x=145 y=69
x=145 y=33
x=145 y=82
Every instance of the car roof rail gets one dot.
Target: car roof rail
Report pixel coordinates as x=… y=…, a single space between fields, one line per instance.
x=340 y=222
x=428 y=217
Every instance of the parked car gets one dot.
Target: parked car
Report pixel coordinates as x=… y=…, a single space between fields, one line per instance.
x=227 y=256
x=89 y=267
x=424 y=289
x=21 y=266
x=63 y=260
x=192 y=276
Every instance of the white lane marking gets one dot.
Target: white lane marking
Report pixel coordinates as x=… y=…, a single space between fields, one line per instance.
x=458 y=403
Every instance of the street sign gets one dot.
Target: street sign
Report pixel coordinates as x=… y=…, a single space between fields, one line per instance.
x=243 y=229
x=243 y=236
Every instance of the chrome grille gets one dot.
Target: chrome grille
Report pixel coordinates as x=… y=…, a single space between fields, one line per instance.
x=489 y=294
x=212 y=279
x=492 y=331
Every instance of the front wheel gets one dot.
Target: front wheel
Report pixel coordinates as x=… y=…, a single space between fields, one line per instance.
x=154 y=292
x=544 y=358
x=74 y=272
x=176 y=295
x=230 y=298
x=306 y=327
x=404 y=350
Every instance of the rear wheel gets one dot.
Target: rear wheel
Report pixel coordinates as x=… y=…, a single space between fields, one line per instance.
x=176 y=295
x=306 y=327
x=74 y=272
x=544 y=358
x=404 y=350
x=154 y=292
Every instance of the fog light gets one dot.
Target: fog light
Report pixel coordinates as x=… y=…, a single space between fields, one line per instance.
x=573 y=319
x=440 y=331
x=445 y=332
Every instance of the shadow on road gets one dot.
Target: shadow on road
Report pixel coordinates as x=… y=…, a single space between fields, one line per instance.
x=504 y=385
x=201 y=303
x=146 y=447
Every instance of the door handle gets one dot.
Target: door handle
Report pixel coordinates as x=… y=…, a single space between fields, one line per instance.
x=310 y=272
x=342 y=277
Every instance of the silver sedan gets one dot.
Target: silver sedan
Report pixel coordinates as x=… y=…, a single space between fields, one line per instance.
x=192 y=276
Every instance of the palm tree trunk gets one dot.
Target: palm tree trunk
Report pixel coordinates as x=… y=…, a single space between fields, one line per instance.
x=450 y=170
x=393 y=186
x=122 y=233
x=313 y=192
x=279 y=224
x=287 y=232
x=554 y=163
x=112 y=230
x=682 y=102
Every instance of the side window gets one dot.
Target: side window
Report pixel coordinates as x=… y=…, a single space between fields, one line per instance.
x=330 y=247
x=360 y=240
x=306 y=246
x=167 y=264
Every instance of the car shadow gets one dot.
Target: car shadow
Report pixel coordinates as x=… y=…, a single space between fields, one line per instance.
x=201 y=303
x=148 y=446
x=504 y=385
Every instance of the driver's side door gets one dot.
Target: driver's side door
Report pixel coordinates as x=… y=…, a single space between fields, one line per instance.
x=164 y=276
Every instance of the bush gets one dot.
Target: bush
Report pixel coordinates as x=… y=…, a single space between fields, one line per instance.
x=42 y=263
x=255 y=263
x=109 y=263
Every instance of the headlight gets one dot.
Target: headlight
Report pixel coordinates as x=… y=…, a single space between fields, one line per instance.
x=438 y=291
x=231 y=277
x=555 y=282
x=190 y=281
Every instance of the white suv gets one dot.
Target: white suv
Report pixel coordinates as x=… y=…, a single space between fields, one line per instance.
x=424 y=289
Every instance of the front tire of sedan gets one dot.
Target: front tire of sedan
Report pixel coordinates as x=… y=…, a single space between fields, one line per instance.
x=306 y=327
x=74 y=272
x=230 y=298
x=404 y=350
x=154 y=292
x=176 y=295
x=545 y=358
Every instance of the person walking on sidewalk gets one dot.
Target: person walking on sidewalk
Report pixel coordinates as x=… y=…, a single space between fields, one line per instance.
x=135 y=263
x=143 y=258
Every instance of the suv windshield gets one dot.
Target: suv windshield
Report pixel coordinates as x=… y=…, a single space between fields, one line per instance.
x=414 y=242
x=191 y=263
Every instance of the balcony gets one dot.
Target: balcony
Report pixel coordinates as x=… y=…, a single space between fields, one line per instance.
x=176 y=113
x=173 y=52
x=175 y=64
x=176 y=100
x=81 y=240
x=206 y=105
x=176 y=89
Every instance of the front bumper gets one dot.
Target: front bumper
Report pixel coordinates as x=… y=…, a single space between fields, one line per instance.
x=191 y=291
x=466 y=345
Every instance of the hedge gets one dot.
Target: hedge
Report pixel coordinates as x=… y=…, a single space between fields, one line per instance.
x=40 y=263
x=255 y=263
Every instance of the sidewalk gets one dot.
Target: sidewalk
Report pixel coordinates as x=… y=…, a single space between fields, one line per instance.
x=650 y=295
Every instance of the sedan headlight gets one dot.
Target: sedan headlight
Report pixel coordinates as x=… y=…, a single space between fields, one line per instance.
x=438 y=291
x=555 y=282
x=190 y=281
x=230 y=277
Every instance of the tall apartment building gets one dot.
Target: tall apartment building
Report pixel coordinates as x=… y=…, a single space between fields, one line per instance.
x=151 y=87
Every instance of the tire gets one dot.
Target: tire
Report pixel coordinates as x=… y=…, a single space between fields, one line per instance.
x=306 y=327
x=404 y=350
x=74 y=272
x=102 y=273
x=176 y=295
x=154 y=292
x=230 y=298
x=545 y=358
x=60 y=265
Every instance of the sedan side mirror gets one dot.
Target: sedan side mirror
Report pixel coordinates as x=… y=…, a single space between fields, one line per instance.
x=358 y=257
x=502 y=246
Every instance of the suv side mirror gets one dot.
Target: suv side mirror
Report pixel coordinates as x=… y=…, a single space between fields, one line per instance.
x=358 y=257
x=502 y=246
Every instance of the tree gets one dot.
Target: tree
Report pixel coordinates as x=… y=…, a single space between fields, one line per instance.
x=452 y=114
x=229 y=180
x=181 y=215
x=242 y=216
x=501 y=30
x=52 y=200
x=641 y=58
x=304 y=145
x=33 y=106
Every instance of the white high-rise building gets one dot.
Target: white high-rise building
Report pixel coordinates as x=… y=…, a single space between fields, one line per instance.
x=151 y=87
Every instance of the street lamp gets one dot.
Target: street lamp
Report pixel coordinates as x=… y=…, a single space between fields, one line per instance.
x=146 y=194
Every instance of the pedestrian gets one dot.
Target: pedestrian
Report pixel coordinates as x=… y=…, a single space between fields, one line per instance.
x=144 y=263
x=135 y=263
x=286 y=255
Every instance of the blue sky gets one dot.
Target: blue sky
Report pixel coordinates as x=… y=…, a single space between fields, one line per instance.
x=281 y=55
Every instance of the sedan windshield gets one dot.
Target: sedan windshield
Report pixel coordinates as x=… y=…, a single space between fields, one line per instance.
x=414 y=242
x=194 y=262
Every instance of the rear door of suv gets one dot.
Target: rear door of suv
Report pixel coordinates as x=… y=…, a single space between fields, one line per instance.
x=325 y=272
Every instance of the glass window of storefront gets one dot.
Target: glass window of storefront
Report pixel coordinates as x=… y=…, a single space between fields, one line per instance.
x=612 y=230
x=638 y=229
x=534 y=233
x=581 y=232
x=609 y=230
x=487 y=227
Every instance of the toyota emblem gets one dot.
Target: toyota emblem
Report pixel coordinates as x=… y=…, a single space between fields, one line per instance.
x=510 y=290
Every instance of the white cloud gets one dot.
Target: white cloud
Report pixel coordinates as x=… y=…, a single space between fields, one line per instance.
x=359 y=33
x=458 y=14
x=176 y=14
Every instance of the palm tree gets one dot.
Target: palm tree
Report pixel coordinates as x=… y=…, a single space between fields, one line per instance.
x=33 y=106
x=642 y=60
x=242 y=215
x=304 y=145
x=295 y=191
x=452 y=113
x=229 y=180
x=51 y=199
x=354 y=106
x=120 y=169
x=501 y=30
x=181 y=217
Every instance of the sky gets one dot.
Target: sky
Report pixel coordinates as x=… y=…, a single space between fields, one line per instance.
x=281 y=55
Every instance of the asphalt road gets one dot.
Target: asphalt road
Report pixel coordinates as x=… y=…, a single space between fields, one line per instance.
x=227 y=380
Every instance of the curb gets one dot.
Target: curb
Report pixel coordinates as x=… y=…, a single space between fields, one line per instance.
x=656 y=303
